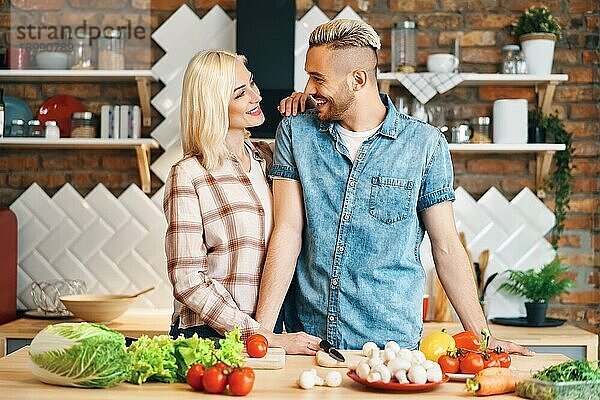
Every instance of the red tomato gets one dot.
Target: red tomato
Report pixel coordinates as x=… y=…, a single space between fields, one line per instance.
x=195 y=375
x=450 y=365
x=257 y=336
x=256 y=348
x=241 y=381
x=504 y=359
x=491 y=360
x=467 y=340
x=221 y=365
x=471 y=364
x=214 y=380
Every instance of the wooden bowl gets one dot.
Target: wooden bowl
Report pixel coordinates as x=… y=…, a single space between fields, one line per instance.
x=97 y=307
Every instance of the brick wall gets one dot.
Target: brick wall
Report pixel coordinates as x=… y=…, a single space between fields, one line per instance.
x=485 y=28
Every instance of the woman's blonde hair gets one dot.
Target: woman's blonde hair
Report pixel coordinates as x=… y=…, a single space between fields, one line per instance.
x=208 y=84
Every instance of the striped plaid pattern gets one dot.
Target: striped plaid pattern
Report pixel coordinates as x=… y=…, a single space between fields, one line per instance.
x=215 y=244
x=425 y=85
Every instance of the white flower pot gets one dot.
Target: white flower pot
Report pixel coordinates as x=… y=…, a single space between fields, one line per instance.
x=539 y=52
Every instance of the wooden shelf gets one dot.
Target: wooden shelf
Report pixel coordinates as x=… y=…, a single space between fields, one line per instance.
x=544 y=84
x=544 y=154
x=142 y=149
x=143 y=79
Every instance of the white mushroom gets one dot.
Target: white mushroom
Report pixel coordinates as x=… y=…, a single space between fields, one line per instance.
x=374 y=361
x=388 y=354
x=392 y=345
x=306 y=380
x=417 y=374
x=385 y=373
x=434 y=374
x=319 y=381
x=374 y=377
x=369 y=349
x=405 y=354
x=363 y=369
x=418 y=357
x=401 y=376
x=428 y=364
x=398 y=364
x=333 y=379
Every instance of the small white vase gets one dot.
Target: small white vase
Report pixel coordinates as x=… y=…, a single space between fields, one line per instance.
x=539 y=52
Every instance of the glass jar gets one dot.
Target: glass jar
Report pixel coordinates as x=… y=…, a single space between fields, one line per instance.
x=82 y=52
x=520 y=63
x=509 y=53
x=404 y=47
x=461 y=133
x=35 y=128
x=110 y=50
x=18 y=128
x=52 y=130
x=480 y=127
x=83 y=125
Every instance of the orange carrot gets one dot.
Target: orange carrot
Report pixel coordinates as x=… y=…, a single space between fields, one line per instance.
x=492 y=382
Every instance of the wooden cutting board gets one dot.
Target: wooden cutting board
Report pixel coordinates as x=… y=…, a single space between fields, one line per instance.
x=274 y=359
x=352 y=357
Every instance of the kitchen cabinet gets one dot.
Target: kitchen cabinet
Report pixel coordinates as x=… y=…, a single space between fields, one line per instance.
x=544 y=85
x=18 y=382
x=20 y=332
x=142 y=149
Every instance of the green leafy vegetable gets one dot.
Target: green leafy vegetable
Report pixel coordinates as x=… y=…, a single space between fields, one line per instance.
x=79 y=354
x=231 y=348
x=570 y=371
x=153 y=359
x=163 y=359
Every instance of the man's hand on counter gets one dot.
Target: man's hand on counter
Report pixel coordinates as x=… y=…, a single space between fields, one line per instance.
x=293 y=343
x=510 y=347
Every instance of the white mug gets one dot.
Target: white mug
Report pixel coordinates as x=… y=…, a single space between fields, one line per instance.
x=510 y=121
x=442 y=62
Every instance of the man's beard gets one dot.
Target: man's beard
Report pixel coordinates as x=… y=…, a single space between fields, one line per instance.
x=336 y=110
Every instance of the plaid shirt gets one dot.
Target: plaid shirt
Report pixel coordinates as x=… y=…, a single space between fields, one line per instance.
x=215 y=243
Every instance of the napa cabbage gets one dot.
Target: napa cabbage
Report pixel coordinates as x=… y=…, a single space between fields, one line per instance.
x=79 y=354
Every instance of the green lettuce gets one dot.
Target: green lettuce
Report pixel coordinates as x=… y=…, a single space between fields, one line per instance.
x=79 y=354
x=231 y=348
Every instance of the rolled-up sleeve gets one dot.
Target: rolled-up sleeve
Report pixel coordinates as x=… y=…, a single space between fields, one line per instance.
x=284 y=165
x=187 y=261
x=439 y=177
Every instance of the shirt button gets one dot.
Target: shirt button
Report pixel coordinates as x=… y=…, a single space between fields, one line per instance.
x=352 y=183
x=334 y=282
x=332 y=318
x=341 y=249
x=346 y=217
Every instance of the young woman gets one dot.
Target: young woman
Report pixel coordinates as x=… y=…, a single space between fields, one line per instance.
x=218 y=205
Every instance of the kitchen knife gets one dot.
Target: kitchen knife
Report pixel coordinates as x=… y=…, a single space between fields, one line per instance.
x=332 y=351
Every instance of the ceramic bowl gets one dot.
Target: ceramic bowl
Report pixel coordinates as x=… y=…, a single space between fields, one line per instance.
x=97 y=307
x=52 y=60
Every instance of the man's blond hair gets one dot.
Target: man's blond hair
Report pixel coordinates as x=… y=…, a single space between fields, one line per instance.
x=208 y=84
x=345 y=33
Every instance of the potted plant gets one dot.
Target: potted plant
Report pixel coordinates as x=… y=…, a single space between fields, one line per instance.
x=538 y=287
x=537 y=31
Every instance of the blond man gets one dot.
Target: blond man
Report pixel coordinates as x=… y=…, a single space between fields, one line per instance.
x=356 y=184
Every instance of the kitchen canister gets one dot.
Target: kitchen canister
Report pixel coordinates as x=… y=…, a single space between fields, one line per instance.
x=510 y=121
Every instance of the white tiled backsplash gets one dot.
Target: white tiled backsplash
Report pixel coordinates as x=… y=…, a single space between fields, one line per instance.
x=116 y=245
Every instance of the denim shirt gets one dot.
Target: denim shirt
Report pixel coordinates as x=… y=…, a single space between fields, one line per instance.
x=359 y=276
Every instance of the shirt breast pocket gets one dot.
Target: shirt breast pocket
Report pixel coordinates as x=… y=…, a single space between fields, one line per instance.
x=390 y=198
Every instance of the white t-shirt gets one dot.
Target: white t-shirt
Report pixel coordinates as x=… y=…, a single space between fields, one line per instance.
x=353 y=140
x=263 y=191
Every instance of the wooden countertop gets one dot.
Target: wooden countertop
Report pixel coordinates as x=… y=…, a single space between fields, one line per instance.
x=137 y=324
x=17 y=382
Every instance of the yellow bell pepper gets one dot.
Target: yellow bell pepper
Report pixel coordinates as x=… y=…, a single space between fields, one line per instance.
x=437 y=344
